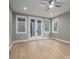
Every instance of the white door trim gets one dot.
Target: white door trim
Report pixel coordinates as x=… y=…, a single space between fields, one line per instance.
x=35 y=18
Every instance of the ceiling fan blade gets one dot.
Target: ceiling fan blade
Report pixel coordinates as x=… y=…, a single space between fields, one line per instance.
x=43 y=3
x=46 y=0
x=57 y=6
x=59 y=1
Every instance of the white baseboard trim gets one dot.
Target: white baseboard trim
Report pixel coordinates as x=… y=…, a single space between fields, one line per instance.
x=31 y=39
x=26 y=40
x=11 y=45
x=61 y=40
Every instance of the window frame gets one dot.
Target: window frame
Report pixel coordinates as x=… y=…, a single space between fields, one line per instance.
x=54 y=20
x=17 y=16
x=44 y=25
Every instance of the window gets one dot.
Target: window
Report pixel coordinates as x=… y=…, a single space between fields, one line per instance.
x=46 y=26
x=21 y=23
x=55 y=25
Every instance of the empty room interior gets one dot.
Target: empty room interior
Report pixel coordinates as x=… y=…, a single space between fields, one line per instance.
x=39 y=29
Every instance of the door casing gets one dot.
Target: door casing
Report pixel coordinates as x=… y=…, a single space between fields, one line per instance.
x=36 y=19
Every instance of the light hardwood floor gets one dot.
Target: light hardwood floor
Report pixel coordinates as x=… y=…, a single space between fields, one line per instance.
x=40 y=49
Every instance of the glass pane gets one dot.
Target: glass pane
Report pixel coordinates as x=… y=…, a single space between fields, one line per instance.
x=19 y=19
x=38 y=27
x=23 y=19
x=46 y=25
x=55 y=26
x=21 y=25
x=32 y=27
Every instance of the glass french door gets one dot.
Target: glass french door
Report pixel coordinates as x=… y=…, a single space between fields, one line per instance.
x=38 y=27
x=32 y=28
x=35 y=28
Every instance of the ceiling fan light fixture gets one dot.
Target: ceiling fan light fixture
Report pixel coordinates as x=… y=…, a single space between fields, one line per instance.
x=51 y=6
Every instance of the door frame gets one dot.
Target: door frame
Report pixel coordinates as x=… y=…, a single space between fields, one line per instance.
x=29 y=21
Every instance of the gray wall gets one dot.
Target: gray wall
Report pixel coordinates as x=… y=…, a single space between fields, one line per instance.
x=19 y=36
x=10 y=26
x=23 y=36
x=63 y=27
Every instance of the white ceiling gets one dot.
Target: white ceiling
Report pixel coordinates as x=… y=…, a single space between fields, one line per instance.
x=36 y=9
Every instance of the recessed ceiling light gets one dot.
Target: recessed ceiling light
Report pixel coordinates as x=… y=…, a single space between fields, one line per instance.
x=52 y=2
x=25 y=8
x=51 y=6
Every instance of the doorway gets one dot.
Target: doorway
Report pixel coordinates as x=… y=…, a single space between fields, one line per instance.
x=36 y=27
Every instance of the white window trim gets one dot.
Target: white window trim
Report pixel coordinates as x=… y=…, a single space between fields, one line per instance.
x=17 y=24
x=53 y=21
x=44 y=25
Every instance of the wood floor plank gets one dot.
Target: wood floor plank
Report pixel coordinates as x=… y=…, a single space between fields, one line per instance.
x=40 y=49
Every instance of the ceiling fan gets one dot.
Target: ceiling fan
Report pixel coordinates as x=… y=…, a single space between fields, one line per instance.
x=51 y=3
